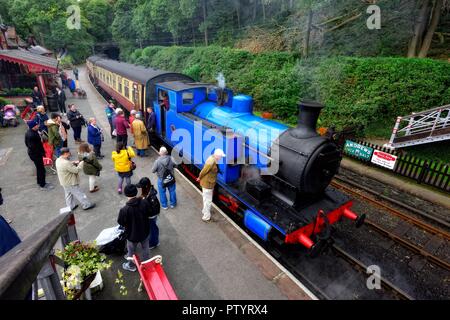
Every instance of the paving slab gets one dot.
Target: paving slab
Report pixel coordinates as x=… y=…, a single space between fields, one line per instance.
x=202 y=260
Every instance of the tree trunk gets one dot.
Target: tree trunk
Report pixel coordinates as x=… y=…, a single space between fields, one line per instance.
x=308 y=34
x=419 y=28
x=255 y=9
x=193 y=32
x=435 y=17
x=263 y=10
x=205 y=22
x=238 y=15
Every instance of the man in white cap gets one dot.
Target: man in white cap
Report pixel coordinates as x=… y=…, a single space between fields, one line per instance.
x=208 y=179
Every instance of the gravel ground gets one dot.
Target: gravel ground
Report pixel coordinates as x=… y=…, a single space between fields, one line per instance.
x=397 y=264
x=431 y=208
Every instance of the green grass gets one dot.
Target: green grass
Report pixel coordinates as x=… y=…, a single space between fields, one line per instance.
x=437 y=151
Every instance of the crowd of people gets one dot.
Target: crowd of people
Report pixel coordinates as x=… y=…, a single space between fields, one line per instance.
x=139 y=215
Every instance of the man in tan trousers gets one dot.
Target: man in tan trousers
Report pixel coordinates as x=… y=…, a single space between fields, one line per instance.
x=207 y=179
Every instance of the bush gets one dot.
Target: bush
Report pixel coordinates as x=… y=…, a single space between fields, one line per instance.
x=356 y=91
x=16 y=92
x=4 y=102
x=362 y=91
x=66 y=62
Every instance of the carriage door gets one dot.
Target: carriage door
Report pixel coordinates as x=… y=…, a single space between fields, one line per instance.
x=135 y=95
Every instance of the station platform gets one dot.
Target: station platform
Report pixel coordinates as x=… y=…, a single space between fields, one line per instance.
x=202 y=260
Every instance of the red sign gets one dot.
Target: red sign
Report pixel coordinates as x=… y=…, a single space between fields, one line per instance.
x=384 y=159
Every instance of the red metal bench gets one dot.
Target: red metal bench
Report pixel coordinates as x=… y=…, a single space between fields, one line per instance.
x=154 y=279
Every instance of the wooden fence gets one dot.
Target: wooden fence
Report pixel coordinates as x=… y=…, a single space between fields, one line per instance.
x=435 y=174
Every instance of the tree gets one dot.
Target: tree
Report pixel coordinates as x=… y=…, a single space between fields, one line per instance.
x=426 y=21
x=99 y=13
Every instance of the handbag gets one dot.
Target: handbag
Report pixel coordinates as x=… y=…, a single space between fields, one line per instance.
x=132 y=163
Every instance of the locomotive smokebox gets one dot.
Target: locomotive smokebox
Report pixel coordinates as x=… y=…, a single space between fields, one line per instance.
x=308 y=161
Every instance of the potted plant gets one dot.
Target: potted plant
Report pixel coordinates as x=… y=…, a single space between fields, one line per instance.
x=267 y=115
x=82 y=262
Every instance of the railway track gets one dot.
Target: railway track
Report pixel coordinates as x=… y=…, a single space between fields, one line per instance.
x=439 y=234
x=386 y=284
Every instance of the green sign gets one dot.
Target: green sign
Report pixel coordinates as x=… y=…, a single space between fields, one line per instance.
x=357 y=150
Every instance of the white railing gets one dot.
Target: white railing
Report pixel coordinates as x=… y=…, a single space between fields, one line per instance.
x=422 y=125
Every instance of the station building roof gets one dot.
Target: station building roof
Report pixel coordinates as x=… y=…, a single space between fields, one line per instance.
x=36 y=63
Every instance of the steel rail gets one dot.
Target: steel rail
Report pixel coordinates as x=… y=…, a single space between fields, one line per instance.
x=384 y=282
x=419 y=223
x=427 y=255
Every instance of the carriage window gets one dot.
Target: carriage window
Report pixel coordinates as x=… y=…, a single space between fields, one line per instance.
x=188 y=97
x=126 y=88
x=114 y=81
x=119 y=84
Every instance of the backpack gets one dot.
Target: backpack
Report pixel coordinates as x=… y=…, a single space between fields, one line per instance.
x=153 y=202
x=168 y=179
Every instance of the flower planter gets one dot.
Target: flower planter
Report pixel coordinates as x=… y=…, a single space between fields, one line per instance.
x=84 y=286
x=267 y=115
x=82 y=263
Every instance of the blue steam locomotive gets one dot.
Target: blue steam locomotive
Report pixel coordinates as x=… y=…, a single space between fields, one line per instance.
x=274 y=177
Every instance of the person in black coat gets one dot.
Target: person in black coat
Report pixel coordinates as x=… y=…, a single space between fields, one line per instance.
x=151 y=125
x=134 y=217
x=36 y=152
x=61 y=95
x=76 y=120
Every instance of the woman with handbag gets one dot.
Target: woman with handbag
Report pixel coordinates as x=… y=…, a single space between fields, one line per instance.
x=91 y=166
x=123 y=164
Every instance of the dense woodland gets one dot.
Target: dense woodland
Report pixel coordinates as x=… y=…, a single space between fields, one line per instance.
x=328 y=27
x=276 y=50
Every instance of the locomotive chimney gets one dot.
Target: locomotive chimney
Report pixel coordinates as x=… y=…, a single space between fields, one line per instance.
x=309 y=112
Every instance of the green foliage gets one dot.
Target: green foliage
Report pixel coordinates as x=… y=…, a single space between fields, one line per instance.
x=437 y=151
x=357 y=92
x=47 y=21
x=16 y=92
x=120 y=282
x=360 y=91
x=82 y=260
x=66 y=62
x=269 y=77
x=4 y=102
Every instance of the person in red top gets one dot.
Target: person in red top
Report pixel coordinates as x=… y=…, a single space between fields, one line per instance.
x=131 y=118
x=165 y=101
x=121 y=125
